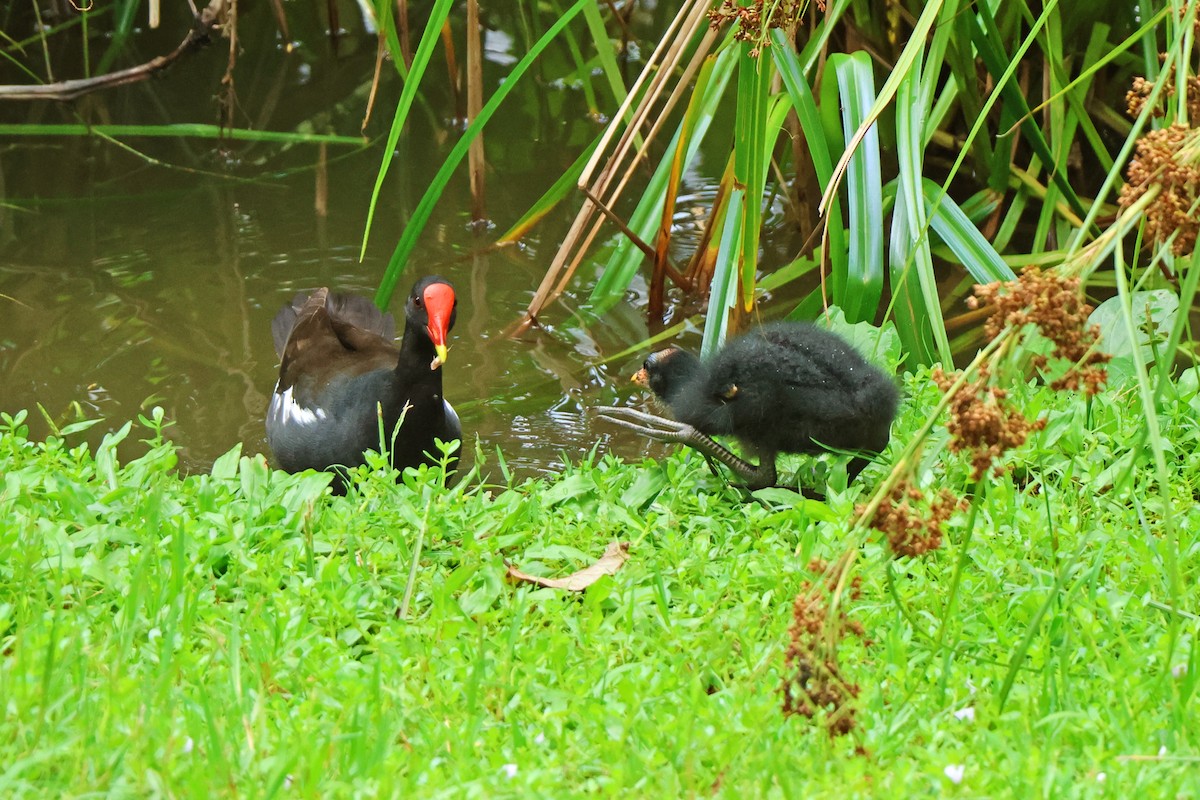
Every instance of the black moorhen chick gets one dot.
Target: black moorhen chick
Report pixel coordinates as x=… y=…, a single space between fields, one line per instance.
x=339 y=361
x=787 y=387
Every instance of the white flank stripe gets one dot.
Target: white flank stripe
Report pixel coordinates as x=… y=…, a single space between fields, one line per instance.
x=287 y=411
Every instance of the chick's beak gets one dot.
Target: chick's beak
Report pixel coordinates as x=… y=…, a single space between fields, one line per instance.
x=641 y=378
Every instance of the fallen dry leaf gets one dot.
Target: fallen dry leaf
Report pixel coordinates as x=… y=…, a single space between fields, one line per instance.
x=614 y=556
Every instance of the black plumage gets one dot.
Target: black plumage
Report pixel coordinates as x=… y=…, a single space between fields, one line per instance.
x=340 y=370
x=786 y=387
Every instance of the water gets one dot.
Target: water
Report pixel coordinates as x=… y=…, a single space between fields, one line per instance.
x=126 y=283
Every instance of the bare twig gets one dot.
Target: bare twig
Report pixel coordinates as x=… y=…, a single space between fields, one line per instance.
x=380 y=52
x=475 y=156
x=597 y=184
x=210 y=19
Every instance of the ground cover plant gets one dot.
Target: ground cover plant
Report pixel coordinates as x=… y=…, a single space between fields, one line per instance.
x=242 y=633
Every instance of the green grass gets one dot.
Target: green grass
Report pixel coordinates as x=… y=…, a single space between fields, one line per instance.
x=237 y=634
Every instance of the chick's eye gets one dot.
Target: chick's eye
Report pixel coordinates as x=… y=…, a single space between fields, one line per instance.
x=648 y=363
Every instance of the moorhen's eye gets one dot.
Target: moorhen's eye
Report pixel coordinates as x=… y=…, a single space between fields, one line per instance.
x=418 y=301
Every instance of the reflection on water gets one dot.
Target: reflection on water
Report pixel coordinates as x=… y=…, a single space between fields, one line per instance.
x=134 y=279
x=115 y=304
x=175 y=310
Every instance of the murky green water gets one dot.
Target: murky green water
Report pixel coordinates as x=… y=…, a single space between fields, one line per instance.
x=126 y=284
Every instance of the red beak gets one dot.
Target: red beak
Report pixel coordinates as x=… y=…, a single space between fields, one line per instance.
x=439 y=305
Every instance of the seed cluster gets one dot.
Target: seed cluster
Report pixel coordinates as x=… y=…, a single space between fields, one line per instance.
x=812 y=680
x=909 y=531
x=1139 y=93
x=1135 y=98
x=1056 y=306
x=748 y=19
x=982 y=423
x=1170 y=159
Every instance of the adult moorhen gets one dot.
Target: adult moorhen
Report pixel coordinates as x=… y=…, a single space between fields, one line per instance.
x=786 y=387
x=339 y=363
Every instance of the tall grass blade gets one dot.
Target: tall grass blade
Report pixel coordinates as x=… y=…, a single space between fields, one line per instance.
x=626 y=258
x=429 y=39
x=475 y=158
x=953 y=227
x=553 y=196
x=914 y=286
x=788 y=62
x=662 y=241
x=908 y=57
x=604 y=52
x=749 y=142
x=988 y=42
x=416 y=224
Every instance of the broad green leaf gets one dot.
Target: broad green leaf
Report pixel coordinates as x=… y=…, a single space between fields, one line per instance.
x=1154 y=312
x=226 y=465
x=881 y=346
x=864 y=276
x=953 y=227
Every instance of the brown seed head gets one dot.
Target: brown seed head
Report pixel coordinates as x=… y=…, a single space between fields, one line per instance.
x=1056 y=306
x=813 y=682
x=1170 y=159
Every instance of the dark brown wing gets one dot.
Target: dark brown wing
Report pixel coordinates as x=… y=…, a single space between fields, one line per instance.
x=345 y=312
x=320 y=346
x=359 y=312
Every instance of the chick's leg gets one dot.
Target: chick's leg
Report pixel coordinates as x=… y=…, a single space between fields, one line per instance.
x=668 y=430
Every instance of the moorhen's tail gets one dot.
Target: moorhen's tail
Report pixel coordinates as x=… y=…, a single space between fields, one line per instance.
x=345 y=310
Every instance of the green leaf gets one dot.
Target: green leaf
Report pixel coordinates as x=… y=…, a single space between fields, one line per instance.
x=879 y=345
x=860 y=294
x=1154 y=312
x=953 y=227
x=226 y=466
x=77 y=427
